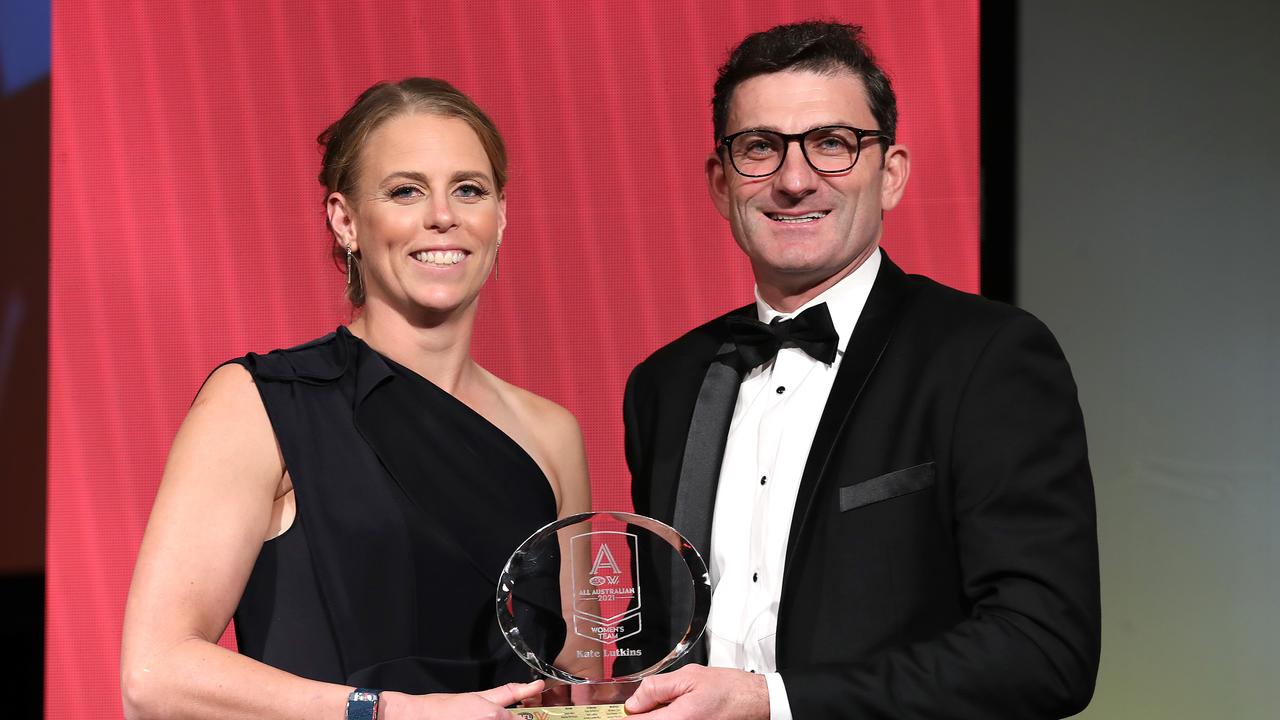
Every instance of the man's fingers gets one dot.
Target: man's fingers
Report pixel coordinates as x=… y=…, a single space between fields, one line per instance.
x=583 y=695
x=511 y=693
x=665 y=712
x=654 y=692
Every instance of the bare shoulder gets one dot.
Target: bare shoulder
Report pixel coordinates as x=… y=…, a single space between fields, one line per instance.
x=552 y=424
x=547 y=418
x=551 y=434
x=228 y=387
x=226 y=428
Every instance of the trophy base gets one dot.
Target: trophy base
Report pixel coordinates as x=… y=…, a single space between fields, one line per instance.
x=571 y=712
x=588 y=701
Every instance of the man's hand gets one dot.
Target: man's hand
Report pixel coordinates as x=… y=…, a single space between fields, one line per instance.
x=696 y=692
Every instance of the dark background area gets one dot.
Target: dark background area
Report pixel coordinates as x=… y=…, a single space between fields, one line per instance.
x=998 y=64
x=24 y=288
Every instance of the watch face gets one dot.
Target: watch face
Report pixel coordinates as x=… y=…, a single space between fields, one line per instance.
x=362 y=705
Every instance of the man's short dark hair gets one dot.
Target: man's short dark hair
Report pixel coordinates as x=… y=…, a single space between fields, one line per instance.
x=816 y=46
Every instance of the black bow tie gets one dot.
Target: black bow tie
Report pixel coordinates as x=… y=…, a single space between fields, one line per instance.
x=758 y=343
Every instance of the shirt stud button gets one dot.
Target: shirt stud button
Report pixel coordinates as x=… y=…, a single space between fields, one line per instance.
x=755 y=577
x=763 y=478
x=780 y=390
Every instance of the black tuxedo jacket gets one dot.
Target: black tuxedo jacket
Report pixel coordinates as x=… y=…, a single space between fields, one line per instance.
x=942 y=560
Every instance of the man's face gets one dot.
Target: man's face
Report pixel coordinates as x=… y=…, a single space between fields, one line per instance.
x=803 y=229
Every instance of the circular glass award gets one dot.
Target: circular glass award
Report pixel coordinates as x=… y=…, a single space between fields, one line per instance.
x=603 y=597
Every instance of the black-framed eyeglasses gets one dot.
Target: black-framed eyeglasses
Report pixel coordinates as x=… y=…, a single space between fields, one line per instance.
x=828 y=149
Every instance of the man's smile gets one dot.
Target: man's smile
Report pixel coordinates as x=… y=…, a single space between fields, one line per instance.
x=795 y=218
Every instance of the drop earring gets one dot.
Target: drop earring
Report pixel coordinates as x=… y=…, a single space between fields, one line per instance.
x=348 y=264
x=497 y=256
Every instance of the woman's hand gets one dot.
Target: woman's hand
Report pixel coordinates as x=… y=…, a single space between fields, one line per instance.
x=483 y=705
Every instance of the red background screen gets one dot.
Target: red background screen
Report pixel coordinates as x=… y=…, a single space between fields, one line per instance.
x=188 y=227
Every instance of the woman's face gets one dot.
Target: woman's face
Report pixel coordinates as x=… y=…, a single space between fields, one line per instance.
x=426 y=218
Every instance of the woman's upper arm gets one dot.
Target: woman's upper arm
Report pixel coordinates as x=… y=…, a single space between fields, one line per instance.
x=570 y=459
x=208 y=522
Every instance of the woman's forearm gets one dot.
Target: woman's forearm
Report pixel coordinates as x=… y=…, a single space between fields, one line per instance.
x=196 y=679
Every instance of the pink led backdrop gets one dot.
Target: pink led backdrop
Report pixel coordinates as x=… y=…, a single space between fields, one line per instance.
x=187 y=224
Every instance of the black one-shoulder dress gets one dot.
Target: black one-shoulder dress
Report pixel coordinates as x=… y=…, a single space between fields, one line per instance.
x=408 y=505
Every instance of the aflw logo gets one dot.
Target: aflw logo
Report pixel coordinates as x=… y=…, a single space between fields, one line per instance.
x=607 y=602
x=605 y=561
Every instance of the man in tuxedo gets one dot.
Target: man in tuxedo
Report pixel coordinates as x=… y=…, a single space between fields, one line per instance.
x=887 y=477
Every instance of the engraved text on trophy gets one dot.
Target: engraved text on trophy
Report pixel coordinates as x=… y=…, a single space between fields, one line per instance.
x=606 y=604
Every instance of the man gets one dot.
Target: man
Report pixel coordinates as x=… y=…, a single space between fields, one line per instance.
x=890 y=476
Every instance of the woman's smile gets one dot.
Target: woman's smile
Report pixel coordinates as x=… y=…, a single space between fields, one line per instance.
x=440 y=258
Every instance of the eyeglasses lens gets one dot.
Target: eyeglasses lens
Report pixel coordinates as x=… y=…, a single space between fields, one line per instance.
x=760 y=153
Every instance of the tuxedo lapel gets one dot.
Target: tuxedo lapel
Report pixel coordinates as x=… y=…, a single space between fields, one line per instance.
x=870 y=337
x=685 y=472
x=703 y=453
x=691 y=431
x=700 y=467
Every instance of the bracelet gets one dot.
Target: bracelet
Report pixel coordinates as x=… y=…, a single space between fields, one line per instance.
x=362 y=704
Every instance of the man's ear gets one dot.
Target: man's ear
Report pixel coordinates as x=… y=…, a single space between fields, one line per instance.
x=341 y=220
x=893 y=176
x=718 y=184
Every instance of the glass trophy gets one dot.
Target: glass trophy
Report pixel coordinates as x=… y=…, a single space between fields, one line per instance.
x=597 y=601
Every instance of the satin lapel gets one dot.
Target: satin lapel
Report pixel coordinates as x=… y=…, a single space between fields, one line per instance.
x=870 y=337
x=700 y=468
x=694 y=482
x=698 y=475
x=703 y=452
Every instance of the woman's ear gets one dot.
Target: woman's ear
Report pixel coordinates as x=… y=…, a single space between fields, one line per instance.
x=341 y=220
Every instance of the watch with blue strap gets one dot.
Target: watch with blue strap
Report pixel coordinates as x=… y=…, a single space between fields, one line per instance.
x=362 y=704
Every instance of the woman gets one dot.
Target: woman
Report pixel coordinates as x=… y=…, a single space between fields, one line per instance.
x=352 y=500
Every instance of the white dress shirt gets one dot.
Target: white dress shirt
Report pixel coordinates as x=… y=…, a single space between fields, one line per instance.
x=776 y=415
